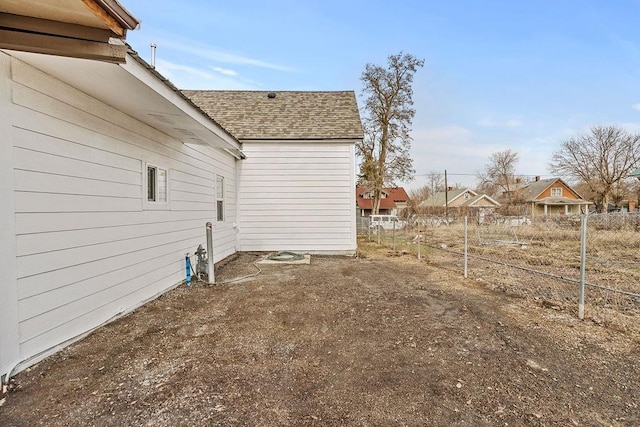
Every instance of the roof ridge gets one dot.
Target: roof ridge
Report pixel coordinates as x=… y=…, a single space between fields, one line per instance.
x=267 y=91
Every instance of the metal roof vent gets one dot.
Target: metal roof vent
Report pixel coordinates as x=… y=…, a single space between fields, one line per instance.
x=271 y=95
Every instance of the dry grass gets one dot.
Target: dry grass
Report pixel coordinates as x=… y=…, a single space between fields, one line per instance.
x=540 y=260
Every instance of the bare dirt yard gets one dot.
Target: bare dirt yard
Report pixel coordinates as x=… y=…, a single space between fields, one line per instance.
x=377 y=340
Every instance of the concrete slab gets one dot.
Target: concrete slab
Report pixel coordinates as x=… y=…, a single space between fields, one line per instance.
x=306 y=260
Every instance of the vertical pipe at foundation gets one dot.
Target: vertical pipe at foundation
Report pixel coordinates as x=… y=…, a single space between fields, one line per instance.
x=210 y=272
x=187 y=264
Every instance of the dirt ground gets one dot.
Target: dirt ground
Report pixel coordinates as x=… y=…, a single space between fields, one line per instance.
x=376 y=340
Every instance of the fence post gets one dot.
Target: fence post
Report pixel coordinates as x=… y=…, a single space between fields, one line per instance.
x=466 y=245
x=393 y=244
x=419 y=241
x=379 y=232
x=583 y=262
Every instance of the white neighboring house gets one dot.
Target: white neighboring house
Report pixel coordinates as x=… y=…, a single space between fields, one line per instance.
x=108 y=179
x=296 y=186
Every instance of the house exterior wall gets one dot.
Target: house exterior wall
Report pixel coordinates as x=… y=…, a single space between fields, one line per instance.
x=88 y=247
x=381 y=211
x=555 y=210
x=9 y=337
x=459 y=201
x=483 y=203
x=566 y=191
x=297 y=196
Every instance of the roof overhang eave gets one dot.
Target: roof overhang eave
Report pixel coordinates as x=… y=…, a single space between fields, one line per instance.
x=559 y=202
x=118 y=12
x=135 y=89
x=147 y=74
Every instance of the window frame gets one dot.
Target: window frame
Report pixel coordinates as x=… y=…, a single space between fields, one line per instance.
x=556 y=191
x=157 y=203
x=220 y=196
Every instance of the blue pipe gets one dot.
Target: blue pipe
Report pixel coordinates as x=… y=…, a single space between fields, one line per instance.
x=187 y=262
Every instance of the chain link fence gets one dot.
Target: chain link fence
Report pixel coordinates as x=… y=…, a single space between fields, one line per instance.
x=532 y=257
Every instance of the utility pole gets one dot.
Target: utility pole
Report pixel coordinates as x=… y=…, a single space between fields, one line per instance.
x=446 y=196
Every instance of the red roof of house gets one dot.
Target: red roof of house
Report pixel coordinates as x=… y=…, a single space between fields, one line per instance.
x=396 y=194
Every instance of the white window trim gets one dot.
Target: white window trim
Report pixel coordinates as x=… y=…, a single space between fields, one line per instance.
x=154 y=205
x=556 y=190
x=220 y=199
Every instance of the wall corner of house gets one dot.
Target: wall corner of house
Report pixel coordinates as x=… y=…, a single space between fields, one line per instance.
x=9 y=333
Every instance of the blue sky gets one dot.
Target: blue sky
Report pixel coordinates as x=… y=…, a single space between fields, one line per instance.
x=523 y=75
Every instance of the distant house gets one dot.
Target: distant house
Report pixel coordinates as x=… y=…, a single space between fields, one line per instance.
x=462 y=199
x=393 y=200
x=451 y=198
x=551 y=197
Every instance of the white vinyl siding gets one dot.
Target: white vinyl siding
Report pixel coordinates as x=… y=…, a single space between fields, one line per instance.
x=86 y=248
x=297 y=196
x=9 y=334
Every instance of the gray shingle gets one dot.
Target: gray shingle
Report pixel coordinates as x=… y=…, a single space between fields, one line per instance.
x=290 y=115
x=531 y=191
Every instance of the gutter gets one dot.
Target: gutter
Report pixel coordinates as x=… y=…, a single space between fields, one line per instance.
x=119 y=13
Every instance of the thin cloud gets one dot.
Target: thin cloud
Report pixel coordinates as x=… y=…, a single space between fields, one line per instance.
x=636 y=106
x=189 y=77
x=224 y=71
x=223 y=57
x=511 y=123
x=170 y=68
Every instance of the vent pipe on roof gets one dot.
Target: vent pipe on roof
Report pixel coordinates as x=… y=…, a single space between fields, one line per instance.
x=153 y=55
x=271 y=95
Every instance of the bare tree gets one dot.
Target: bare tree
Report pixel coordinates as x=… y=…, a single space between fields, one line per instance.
x=435 y=181
x=388 y=114
x=499 y=173
x=419 y=195
x=600 y=160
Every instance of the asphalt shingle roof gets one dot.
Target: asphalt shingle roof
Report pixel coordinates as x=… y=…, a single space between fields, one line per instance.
x=290 y=115
x=395 y=194
x=531 y=191
x=440 y=198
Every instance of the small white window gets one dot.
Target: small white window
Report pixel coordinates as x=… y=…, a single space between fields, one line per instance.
x=556 y=192
x=220 y=198
x=156 y=187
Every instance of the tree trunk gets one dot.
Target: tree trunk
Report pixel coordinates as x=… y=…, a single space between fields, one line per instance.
x=375 y=206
